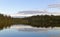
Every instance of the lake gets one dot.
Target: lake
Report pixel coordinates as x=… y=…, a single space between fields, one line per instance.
x=29 y=31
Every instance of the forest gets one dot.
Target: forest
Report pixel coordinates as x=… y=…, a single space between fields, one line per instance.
x=35 y=21
x=42 y=21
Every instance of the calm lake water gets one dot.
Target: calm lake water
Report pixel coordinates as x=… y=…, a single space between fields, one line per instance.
x=29 y=31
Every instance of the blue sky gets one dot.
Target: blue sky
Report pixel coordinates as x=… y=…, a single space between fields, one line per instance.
x=14 y=6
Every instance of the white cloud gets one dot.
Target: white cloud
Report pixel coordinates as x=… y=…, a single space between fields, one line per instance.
x=54 y=6
x=29 y=13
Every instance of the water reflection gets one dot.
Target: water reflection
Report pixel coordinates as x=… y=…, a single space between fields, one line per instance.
x=29 y=28
x=29 y=31
x=33 y=29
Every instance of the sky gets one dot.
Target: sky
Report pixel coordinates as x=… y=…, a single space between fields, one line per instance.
x=11 y=7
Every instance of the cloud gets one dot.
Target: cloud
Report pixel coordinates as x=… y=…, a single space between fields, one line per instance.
x=31 y=12
x=54 y=6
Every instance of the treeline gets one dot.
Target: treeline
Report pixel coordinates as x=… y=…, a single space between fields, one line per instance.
x=36 y=21
x=43 y=21
x=39 y=21
x=5 y=21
